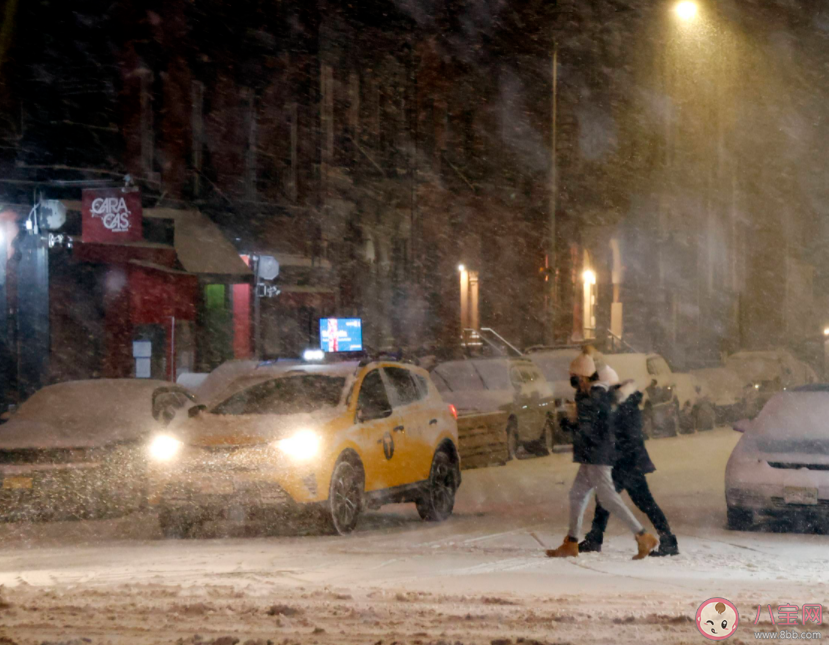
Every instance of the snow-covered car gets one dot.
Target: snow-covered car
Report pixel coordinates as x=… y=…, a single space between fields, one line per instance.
x=76 y=449
x=331 y=437
x=555 y=365
x=780 y=467
x=512 y=385
x=654 y=378
x=769 y=372
x=730 y=398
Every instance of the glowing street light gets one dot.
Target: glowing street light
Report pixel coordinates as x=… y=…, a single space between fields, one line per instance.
x=461 y=268
x=826 y=331
x=589 y=277
x=687 y=10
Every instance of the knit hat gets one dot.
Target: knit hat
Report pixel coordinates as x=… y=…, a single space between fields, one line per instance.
x=583 y=365
x=608 y=375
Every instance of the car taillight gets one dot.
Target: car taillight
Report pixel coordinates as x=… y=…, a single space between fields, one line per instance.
x=453 y=410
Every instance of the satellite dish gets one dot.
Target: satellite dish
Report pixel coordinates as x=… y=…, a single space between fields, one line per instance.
x=52 y=214
x=268 y=268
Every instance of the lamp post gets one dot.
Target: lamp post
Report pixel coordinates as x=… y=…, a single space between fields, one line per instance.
x=551 y=251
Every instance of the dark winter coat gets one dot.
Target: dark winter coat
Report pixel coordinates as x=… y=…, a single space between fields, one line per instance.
x=593 y=436
x=631 y=454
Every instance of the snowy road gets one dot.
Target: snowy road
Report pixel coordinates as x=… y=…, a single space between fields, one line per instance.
x=480 y=578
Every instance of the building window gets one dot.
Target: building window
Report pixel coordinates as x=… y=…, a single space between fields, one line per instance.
x=589 y=278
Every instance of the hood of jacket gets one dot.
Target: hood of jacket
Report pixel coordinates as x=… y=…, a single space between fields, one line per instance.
x=627 y=392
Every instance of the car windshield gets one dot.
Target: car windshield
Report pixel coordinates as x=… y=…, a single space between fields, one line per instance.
x=555 y=366
x=283 y=396
x=458 y=376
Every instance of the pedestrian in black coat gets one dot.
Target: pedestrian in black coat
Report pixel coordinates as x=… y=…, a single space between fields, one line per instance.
x=594 y=451
x=594 y=441
x=632 y=464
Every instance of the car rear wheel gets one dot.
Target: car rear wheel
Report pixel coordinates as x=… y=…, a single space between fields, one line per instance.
x=438 y=501
x=740 y=519
x=512 y=438
x=548 y=437
x=345 y=497
x=647 y=422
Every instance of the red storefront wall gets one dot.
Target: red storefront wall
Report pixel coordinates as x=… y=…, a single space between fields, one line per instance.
x=162 y=298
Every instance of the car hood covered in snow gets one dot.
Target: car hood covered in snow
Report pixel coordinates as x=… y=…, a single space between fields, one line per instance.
x=82 y=414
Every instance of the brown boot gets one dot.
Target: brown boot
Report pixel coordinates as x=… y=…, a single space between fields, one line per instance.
x=646 y=543
x=568 y=549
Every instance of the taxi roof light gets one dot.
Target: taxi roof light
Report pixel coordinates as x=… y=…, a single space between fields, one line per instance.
x=312 y=355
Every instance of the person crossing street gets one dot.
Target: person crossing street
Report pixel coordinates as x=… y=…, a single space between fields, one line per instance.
x=632 y=464
x=594 y=451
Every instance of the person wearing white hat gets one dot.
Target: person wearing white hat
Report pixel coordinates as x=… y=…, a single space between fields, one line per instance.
x=632 y=464
x=594 y=451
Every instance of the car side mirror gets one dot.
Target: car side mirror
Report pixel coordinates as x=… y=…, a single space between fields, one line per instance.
x=742 y=425
x=9 y=413
x=196 y=410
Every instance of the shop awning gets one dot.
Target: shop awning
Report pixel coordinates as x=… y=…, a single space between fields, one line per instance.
x=201 y=247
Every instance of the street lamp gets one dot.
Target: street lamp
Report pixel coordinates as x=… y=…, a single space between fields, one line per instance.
x=461 y=268
x=687 y=10
x=589 y=277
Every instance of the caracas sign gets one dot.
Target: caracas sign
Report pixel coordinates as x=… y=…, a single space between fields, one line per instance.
x=111 y=215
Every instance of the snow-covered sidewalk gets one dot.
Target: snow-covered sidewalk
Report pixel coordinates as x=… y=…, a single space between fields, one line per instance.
x=479 y=578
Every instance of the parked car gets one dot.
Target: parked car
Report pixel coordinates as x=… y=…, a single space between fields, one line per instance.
x=512 y=385
x=654 y=378
x=334 y=437
x=729 y=396
x=779 y=469
x=555 y=365
x=769 y=372
x=76 y=450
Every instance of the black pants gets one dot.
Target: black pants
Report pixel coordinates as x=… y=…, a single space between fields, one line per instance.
x=640 y=494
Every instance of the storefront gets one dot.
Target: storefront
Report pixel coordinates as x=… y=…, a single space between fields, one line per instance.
x=137 y=299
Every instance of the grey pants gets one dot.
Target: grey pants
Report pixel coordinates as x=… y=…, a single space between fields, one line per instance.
x=598 y=478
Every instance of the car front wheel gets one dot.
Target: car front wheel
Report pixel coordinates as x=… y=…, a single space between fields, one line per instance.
x=740 y=519
x=345 y=498
x=438 y=500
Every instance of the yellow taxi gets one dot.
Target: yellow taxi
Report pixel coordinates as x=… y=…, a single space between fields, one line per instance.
x=335 y=437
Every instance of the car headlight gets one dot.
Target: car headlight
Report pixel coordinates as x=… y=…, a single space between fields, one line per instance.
x=164 y=448
x=302 y=446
